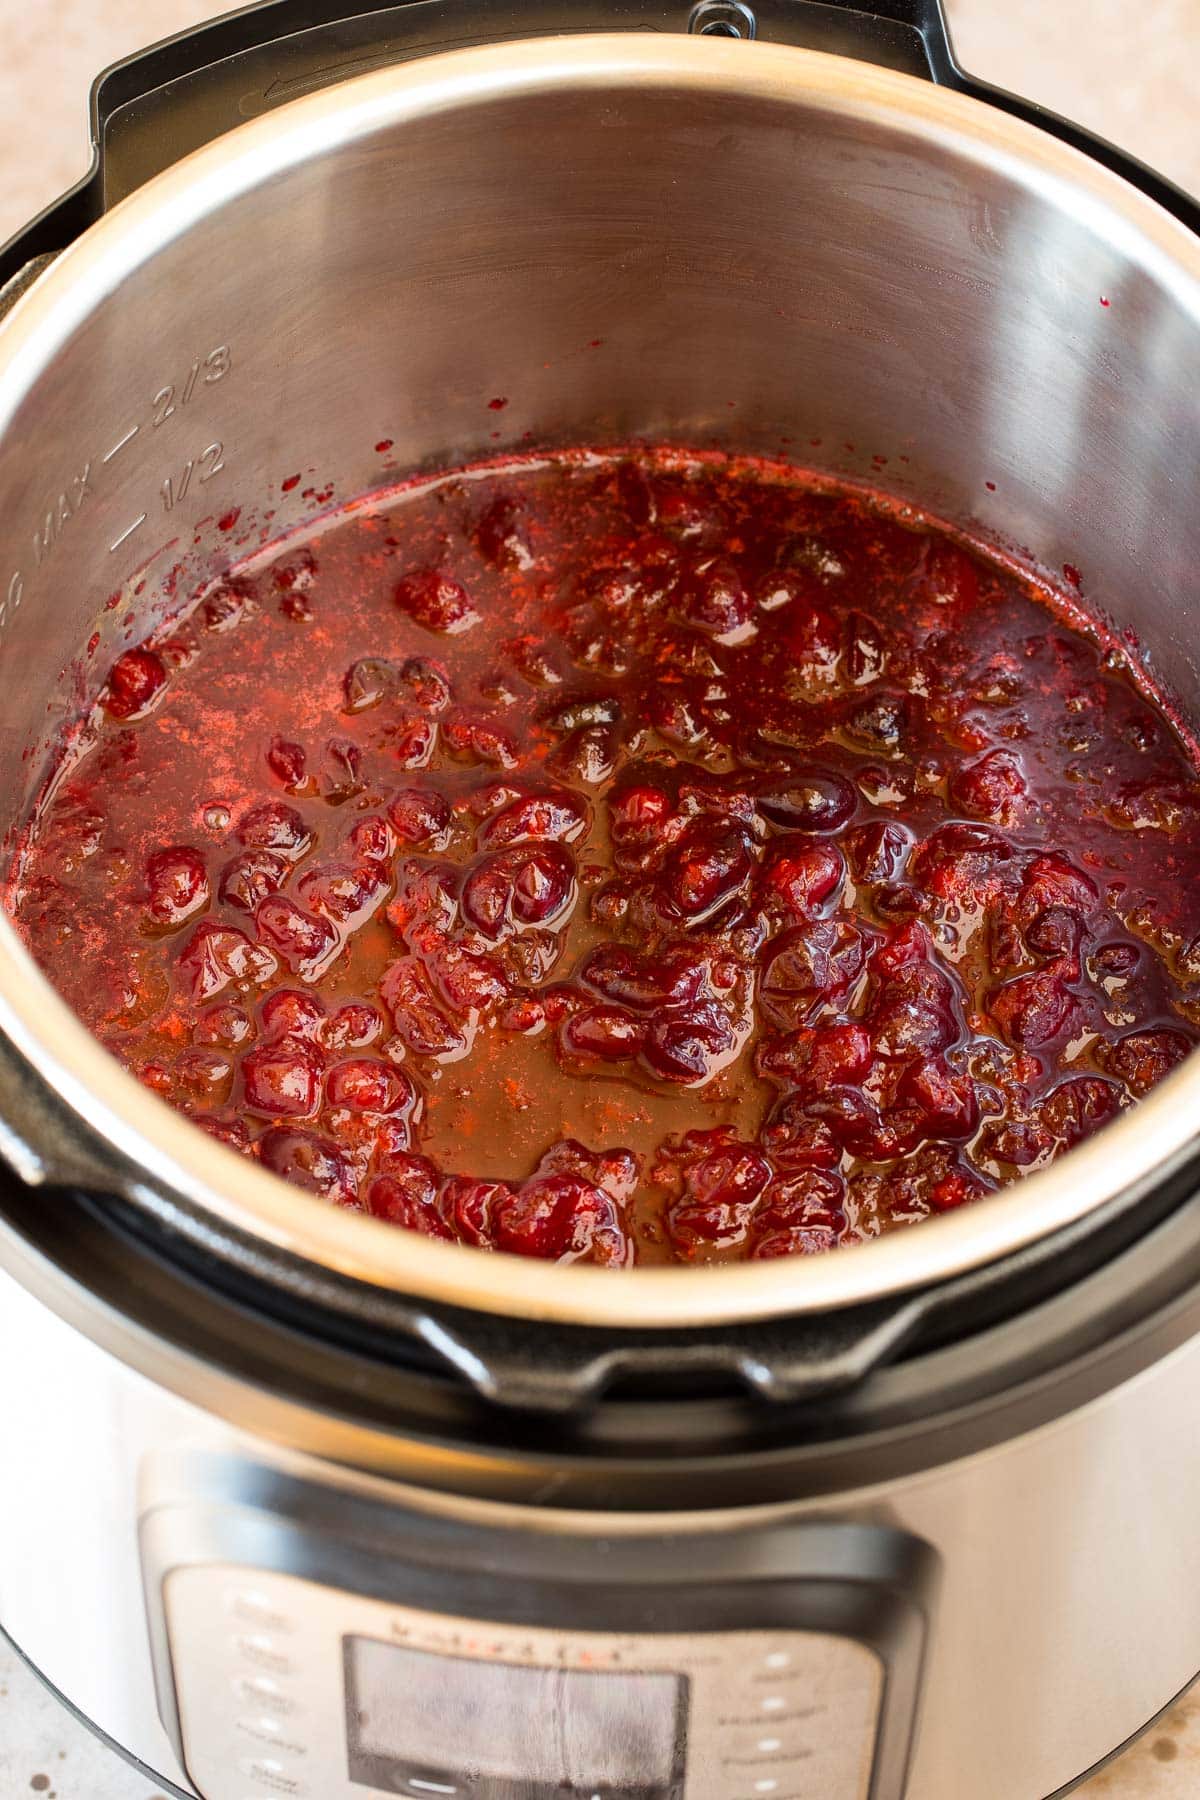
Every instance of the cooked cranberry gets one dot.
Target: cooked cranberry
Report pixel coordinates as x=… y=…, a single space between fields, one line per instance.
x=562 y=1218
x=803 y=875
x=370 y=1087
x=1117 y=959
x=961 y=863
x=588 y=755
x=992 y=788
x=426 y=683
x=1021 y=1142
x=642 y=982
x=308 y=1161
x=436 y=601
x=580 y=710
x=371 y=840
x=353 y=1026
x=503 y=534
x=291 y=1013
x=797 y=1240
x=227 y=606
x=813 y=1060
x=904 y=949
x=224 y=1024
x=288 y=763
x=135 y=682
x=880 y=723
x=709 y=867
x=479 y=739
x=638 y=821
x=368 y=682
x=468 y=1206
x=794 y=1137
x=945 y=1097
x=1052 y=881
x=341 y=764
x=420 y=817
x=1056 y=932
x=690 y=1045
x=715 y=599
x=801 y=1214
x=953 y=1190
x=418 y=1019
x=301 y=938
x=877 y=851
x=203 y=1077
x=177 y=881
x=250 y=877
x=551 y=816
x=1143 y=1058
x=465 y=980
x=948 y=575
x=530 y=886
x=216 y=955
x=907 y=1024
x=721 y=1193
x=1032 y=1010
x=342 y=891
x=813 y=800
x=865 y=655
x=226 y=1130
x=274 y=826
x=808 y=968
x=281 y=1081
x=542 y=884
x=606 y=1033
x=1079 y=1106
x=1153 y=805
x=407 y=1195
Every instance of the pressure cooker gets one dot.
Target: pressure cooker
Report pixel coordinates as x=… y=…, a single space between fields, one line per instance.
x=295 y=1505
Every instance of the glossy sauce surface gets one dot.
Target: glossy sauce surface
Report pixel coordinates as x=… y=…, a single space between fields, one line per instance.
x=638 y=859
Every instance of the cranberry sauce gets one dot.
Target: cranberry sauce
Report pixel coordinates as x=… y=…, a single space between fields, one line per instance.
x=636 y=859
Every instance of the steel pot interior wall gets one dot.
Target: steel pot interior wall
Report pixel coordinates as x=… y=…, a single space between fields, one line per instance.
x=717 y=243
x=685 y=239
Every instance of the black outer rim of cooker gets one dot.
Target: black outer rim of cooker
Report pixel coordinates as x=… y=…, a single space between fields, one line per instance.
x=629 y=1449
x=860 y=1396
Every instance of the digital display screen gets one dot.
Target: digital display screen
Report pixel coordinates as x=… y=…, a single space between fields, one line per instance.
x=486 y=1722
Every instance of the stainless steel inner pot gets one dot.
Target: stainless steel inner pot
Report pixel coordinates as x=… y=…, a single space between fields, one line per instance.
x=627 y=236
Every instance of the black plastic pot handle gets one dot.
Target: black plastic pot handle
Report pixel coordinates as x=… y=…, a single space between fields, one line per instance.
x=155 y=107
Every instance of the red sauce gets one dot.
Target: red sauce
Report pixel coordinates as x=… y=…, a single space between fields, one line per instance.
x=634 y=859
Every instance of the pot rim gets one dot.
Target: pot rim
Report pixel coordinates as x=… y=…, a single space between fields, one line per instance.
x=167 y=1159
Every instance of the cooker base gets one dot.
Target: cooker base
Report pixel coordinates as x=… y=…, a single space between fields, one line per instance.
x=140 y=1768
x=177 y=1793
x=1073 y=1787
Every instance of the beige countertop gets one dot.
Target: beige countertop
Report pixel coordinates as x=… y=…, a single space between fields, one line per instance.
x=1125 y=68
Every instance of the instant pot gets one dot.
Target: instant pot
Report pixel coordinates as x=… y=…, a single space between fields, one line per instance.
x=298 y=1505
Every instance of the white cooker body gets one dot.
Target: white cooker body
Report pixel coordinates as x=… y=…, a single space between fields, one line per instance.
x=1058 y=1625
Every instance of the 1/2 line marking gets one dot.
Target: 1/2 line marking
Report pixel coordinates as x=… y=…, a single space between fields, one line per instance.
x=128 y=532
x=118 y=447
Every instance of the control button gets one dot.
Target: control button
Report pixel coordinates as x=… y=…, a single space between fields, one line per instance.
x=271 y=1731
x=253 y=1607
x=259 y=1648
x=270 y=1773
x=264 y=1691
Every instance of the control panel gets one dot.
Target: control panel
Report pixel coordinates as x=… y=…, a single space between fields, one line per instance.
x=288 y=1689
